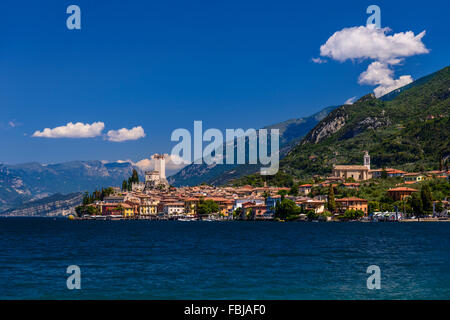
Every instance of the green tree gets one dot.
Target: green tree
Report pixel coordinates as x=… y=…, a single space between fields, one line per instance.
x=282 y=193
x=124 y=185
x=91 y=210
x=237 y=213
x=311 y=215
x=285 y=208
x=352 y=214
x=373 y=206
x=294 y=190
x=416 y=203
x=331 y=204
x=135 y=176
x=206 y=207
x=427 y=199
x=439 y=207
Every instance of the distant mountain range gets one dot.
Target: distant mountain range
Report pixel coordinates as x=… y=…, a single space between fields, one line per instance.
x=32 y=181
x=52 y=206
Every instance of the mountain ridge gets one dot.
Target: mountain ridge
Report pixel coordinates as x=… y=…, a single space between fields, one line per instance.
x=21 y=183
x=408 y=130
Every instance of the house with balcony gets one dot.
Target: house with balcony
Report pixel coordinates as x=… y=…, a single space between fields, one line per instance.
x=352 y=203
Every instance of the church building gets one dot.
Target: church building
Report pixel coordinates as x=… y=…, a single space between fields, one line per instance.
x=357 y=172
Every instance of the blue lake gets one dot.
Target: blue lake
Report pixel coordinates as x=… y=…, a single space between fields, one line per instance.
x=222 y=260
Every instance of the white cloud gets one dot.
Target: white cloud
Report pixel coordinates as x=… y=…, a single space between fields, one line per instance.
x=125 y=134
x=379 y=74
x=173 y=163
x=350 y=100
x=71 y=130
x=368 y=42
x=319 y=60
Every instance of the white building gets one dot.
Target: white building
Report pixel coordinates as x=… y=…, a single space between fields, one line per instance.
x=137 y=186
x=173 y=208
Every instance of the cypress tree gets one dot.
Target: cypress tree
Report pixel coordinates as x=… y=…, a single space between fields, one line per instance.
x=135 y=176
x=331 y=204
x=427 y=199
x=416 y=204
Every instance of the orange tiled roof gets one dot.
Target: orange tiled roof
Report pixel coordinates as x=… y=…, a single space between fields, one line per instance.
x=351 y=199
x=395 y=171
x=403 y=189
x=351 y=167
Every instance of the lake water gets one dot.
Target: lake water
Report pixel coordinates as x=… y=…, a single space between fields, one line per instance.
x=222 y=260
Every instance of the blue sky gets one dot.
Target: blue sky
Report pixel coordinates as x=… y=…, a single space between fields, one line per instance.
x=163 y=64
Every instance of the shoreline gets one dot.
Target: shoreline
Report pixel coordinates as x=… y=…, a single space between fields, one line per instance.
x=225 y=220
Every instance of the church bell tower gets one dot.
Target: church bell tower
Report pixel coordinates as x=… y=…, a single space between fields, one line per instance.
x=367 y=160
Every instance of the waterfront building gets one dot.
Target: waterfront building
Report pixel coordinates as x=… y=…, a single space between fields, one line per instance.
x=271 y=202
x=257 y=212
x=225 y=205
x=108 y=209
x=351 y=203
x=312 y=204
x=173 y=208
x=148 y=209
x=114 y=199
x=127 y=210
x=240 y=201
x=190 y=206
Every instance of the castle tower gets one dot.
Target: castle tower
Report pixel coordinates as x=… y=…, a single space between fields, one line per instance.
x=151 y=176
x=367 y=160
x=160 y=165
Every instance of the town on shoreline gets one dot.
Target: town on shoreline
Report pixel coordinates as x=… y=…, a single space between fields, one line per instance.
x=351 y=193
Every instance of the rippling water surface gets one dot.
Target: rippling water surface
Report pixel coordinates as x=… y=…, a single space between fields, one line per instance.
x=222 y=260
